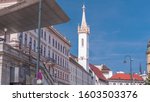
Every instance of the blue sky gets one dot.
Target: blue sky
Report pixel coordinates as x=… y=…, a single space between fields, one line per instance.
x=118 y=28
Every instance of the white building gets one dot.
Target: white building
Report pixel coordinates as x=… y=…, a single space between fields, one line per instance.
x=53 y=47
x=83 y=42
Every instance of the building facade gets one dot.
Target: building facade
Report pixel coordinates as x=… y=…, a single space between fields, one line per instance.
x=122 y=78
x=83 y=42
x=78 y=75
x=54 y=48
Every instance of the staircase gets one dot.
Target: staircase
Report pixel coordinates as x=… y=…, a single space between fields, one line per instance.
x=48 y=78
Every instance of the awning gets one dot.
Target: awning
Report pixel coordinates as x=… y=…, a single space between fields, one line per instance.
x=23 y=16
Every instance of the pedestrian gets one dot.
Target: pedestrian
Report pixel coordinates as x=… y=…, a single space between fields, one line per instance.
x=39 y=77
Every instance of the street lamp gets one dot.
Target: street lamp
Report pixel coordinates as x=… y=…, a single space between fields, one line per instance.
x=130 y=60
x=5 y=31
x=39 y=33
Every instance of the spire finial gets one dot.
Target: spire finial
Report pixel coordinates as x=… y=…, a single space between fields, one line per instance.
x=83 y=7
x=84 y=24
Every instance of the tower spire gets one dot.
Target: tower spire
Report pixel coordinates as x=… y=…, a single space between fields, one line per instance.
x=83 y=24
x=84 y=27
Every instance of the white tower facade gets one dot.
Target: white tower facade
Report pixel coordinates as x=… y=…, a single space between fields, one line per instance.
x=83 y=42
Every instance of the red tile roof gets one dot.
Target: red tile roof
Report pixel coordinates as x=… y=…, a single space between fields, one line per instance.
x=97 y=72
x=124 y=76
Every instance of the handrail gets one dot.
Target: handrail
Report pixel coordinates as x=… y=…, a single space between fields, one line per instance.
x=50 y=77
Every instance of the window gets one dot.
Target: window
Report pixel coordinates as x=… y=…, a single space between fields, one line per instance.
x=114 y=83
x=49 y=39
x=61 y=48
x=25 y=40
x=58 y=60
x=65 y=64
x=53 y=42
x=12 y=75
x=45 y=35
x=44 y=51
x=82 y=42
x=20 y=38
x=61 y=61
x=34 y=45
x=56 y=44
x=30 y=43
x=53 y=55
x=42 y=33
x=49 y=56
x=41 y=49
x=61 y=75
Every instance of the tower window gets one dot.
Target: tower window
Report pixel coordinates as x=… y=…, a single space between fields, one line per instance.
x=82 y=42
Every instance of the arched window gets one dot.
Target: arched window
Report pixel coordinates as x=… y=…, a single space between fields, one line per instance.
x=82 y=42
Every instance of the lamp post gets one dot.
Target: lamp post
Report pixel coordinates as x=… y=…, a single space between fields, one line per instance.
x=130 y=60
x=5 y=30
x=39 y=33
